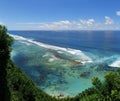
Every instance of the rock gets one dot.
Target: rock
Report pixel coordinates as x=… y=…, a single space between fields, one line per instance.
x=41 y=78
x=74 y=62
x=85 y=74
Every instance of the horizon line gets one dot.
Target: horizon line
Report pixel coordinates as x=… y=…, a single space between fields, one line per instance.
x=65 y=30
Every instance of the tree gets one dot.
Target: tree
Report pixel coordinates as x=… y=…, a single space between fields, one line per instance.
x=5 y=43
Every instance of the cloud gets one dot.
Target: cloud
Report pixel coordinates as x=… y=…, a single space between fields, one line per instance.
x=82 y=24
x=60 y=25
x=88 y=22
x=66 y=22
x=108 y=20
x=68 y=25
x=118 y=13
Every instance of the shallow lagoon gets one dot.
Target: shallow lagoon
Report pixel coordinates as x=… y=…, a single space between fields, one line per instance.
x=60 y=70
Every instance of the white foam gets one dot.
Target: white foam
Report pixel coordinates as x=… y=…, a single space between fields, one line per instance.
x=28 y=44
x=116 y=63
x=13 y=53
x=79 y=54
x=45 y=55
x=52 y=59
x=60 y=52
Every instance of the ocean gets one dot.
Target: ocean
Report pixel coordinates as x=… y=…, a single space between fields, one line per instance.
x=64 y=62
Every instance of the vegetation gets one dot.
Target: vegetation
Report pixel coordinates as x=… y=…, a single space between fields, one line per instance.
x=16 y=86
x=109 y=90
x=22 y=88
x=5 y=43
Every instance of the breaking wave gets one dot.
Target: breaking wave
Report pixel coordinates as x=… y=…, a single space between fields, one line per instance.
x=115 y=63
x=76 y=53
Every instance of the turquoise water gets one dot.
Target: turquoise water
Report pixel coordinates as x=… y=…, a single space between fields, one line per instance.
x=62 y=70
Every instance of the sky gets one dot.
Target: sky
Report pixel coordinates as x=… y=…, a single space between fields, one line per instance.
x=60 y=14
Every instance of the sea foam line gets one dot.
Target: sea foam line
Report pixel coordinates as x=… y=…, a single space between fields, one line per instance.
x=115 y=63
x=75 y=52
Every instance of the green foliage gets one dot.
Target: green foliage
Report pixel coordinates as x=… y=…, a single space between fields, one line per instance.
x=22 y=88
x=5 y=43
x=108 y=90
x=96 y=82
x=14 y=84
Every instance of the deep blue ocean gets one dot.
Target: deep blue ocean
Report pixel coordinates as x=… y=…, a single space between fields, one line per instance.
x=64 y=62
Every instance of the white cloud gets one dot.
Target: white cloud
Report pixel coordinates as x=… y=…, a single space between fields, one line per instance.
x=60 y=25
x=108 y=20
x=118 y=13
x=88 y=22
x=82 y=24
x=68 y=25
x=64 y=22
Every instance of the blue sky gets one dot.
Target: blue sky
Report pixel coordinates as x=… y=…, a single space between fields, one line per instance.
x=60 y=14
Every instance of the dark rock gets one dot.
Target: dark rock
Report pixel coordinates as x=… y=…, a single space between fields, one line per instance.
x=42 y=78
x=85 y=74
